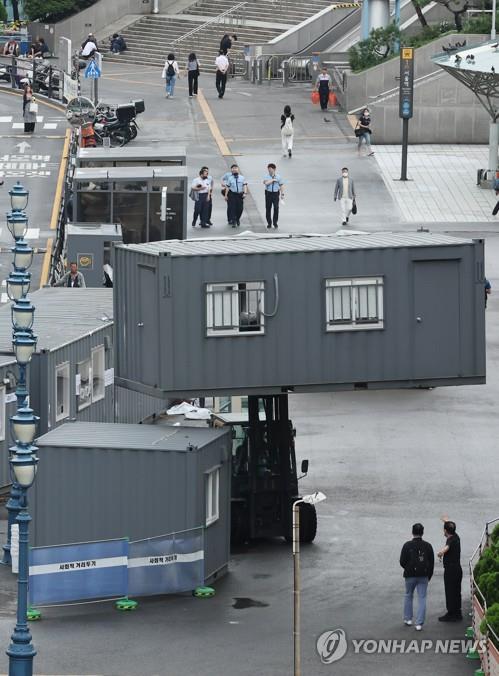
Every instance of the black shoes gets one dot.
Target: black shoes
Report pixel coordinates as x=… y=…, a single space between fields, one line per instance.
x=209 y=223
x=193 y=224
x=238 y=223
x=343 y=223
x=347 y=219
x=268 y=226
x=204 y=225
x=450 y=618
x=290 y=154
x=275 y=226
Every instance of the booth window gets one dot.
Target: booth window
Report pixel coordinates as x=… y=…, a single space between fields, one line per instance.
x=62 y=389
x=212 y=496
x=235 y=309
x=2 y=413
x=353 y=304
x=98 y=368
x=85 y=376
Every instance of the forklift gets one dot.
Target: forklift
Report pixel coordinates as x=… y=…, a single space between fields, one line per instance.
x=264 y=477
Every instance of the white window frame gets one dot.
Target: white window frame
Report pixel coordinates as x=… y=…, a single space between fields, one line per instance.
x=354 y=322
x=228 y=296
x=65 y=367
x=87 y=403
x=3 y=405
x=99 y=371
x=212 y=494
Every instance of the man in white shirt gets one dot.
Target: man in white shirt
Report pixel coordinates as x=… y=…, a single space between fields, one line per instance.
x=222 y=64
x=89 y=49
x=203 y=187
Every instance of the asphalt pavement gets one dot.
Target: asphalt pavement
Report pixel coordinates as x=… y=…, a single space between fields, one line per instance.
x=384 y=459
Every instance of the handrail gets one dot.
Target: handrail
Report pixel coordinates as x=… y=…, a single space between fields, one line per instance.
x=215 y=19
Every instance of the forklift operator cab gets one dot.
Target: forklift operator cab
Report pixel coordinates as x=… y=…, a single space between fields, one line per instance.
x=264 y=477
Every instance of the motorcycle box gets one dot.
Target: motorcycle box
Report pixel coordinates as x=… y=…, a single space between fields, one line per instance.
x=139 y=106
x=125 y=112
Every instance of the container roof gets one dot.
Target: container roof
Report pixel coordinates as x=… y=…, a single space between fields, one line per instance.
x=129 y=173
x=248 y=243
x=125 y=437
x=101 y=229
x=156 y=152
x=62 y=316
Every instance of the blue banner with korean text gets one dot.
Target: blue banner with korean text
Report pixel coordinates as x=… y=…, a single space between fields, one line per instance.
x=167 y=564
x=89 y=570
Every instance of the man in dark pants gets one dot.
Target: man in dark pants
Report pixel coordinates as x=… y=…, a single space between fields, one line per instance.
x=203 y=187
x=235 y=191
x=222 y=64
x=453 y=573
x=273 y=192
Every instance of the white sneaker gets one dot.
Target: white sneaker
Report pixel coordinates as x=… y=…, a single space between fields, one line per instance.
x=418 y=627
x=408 y=623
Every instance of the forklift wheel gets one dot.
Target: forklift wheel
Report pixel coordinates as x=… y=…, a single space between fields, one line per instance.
x=308 y=523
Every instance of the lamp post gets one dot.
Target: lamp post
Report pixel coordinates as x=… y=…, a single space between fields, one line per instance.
x=311 y=499
x=23 y=426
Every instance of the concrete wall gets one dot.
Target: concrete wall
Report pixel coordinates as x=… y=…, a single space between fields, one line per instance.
x=98 y=19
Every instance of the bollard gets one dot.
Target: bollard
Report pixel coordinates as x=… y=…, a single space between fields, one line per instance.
x=253 y=71
x=13 y=72
x=285 y=74
x=469 y=632
x=260 y=71
x=50 y=83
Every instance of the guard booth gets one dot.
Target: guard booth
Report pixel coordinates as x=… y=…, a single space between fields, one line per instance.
x=137 y=481
x=276 y=314
x=89 y=245
x=131 y=197
x=135 y=156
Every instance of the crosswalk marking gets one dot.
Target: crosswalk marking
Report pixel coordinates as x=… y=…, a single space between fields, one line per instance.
x=50 y=125
x=4 y=298
x=5 y=118
x=18 y=125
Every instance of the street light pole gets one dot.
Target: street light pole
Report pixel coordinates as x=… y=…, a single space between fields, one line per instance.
x=23 y=460
x=311 y=499
x=493 y=27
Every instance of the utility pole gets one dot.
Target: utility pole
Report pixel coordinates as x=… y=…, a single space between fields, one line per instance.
x=406 y=100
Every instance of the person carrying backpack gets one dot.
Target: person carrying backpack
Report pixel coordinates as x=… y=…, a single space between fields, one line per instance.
x=287 y=131
x=170 y=74
x=418 y=561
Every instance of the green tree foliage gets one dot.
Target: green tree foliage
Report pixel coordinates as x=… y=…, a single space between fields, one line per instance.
x=381 y=43
x=488 y=583
x=488 y=562
x=3 y=13
x=54 y=10
x=492 y=619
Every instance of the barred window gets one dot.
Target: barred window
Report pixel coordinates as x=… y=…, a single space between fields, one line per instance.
x=353 y=304
x=235 y=309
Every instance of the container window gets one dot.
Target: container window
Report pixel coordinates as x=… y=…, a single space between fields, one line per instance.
x=2 y=413
x=62 y=391
x=212 y=496
x=84 y=384
x=353 y=304
x=98 y=368
x=235 y=309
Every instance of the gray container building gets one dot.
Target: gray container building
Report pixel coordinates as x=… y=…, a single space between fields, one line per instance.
x=71 y=374
x=137 y=481
x=89 y=245
x=8 y=407
x=131 y=156
x=131 y=197
x=299 y=313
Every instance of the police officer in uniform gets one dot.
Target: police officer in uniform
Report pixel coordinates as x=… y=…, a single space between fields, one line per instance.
x=236 y=189
x=453 y=573
x=323 y=86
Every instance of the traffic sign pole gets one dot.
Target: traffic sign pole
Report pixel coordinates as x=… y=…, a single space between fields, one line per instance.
x=406 y=101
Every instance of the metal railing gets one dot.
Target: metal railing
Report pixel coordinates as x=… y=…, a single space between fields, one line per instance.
x=287 y=68
x=233 y=14
x=44 y=77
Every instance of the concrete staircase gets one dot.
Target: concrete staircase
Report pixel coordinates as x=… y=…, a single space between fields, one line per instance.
x=151 y=37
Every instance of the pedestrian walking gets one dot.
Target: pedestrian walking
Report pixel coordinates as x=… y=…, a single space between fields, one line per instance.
x=222 y=64
x=30 y=110
x=235 y=191
x=344 y=191
x=274 y=191
x=202 y=189
x=450 y=554
x=170 y=74
x=488 y=289
x=363 y=131
x=193 y=74
x=418 y=561
x=226 y=43
x=287 y=131
x=323 y=86
x=73 y=278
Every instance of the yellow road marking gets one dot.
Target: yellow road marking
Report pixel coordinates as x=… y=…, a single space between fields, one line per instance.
x=44 y=277
x=149 y=84
x=60 y=182
x=212 y=123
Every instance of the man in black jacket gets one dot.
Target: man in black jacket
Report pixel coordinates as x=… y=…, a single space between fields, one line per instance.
x=417 y=560
x=453 y=573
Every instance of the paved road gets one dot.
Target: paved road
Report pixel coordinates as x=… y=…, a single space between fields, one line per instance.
x=384 y=459
x=34 y=161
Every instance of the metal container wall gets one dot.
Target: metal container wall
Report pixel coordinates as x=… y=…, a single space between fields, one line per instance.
x=134 y=407
x=160 y=310
x=8 y=404
x=139 y=481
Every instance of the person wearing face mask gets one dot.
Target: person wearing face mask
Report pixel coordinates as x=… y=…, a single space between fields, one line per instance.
x=363 y=131
x=344 y=191
x=236 y=189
